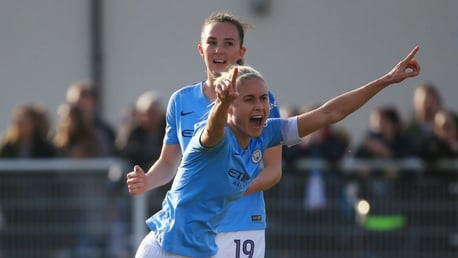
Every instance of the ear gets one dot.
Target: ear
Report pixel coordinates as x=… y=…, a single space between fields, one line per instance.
x=242 y=52
x=200 y=49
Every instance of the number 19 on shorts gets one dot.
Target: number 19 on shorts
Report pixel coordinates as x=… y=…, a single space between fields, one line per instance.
x=244 y=248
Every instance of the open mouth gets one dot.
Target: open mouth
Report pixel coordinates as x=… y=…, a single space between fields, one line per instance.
x=219 y=61
x=256 y=121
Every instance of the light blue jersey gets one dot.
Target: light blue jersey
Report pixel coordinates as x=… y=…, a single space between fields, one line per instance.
x=198 y=199
x=188 y=106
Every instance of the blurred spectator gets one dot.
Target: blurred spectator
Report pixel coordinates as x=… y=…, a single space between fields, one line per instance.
x=140 y=142
x=140 y=138
x=382 y=186
x=128 y=121
x=329 y=143
x=440 y=151
x=386 y=137
x=28 y=134
x=426 y=102
x=27 y=137
x=326 y=144
x=443 y=143
x=83 y=94
x=75 y=137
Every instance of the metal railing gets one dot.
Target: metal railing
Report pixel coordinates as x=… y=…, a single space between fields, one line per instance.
x=364 y=208
x=62 y=208
x=65 y=208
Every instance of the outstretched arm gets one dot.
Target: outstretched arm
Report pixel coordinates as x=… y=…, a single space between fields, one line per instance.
x=341 y=106
x=226 y=92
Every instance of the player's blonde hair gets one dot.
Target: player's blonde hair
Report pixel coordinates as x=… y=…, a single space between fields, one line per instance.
x=244 y=72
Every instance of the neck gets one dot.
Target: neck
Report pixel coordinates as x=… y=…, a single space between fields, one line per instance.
x=209 y=90
x=242 y=139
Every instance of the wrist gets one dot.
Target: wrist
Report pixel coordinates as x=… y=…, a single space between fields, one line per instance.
x=384 y=81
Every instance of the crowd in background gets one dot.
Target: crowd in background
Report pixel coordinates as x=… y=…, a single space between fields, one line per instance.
x=80 y=132
x=430 y=134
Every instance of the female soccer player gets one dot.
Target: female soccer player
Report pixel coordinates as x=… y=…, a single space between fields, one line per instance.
x=221 y=46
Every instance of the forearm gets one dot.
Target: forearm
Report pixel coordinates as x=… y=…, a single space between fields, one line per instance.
x=345 y=104
x=349 y=102
x=160 y=174
x=339 y=107
x=214 y=130
x=164 y=169
x=217 y=118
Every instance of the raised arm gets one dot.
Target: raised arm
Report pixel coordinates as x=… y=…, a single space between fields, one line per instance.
x=214 y=132
x=341 y=106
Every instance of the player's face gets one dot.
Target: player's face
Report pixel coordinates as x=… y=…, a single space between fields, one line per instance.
x=250 y=109
x=220 y=47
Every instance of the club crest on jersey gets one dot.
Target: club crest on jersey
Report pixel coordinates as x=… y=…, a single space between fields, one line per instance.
x=256 y=156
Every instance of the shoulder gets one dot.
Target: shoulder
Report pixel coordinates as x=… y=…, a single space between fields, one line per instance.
x=271 y=127
x=273 y=122
x=272 y=97
x=271 y=94
x=274 y=110
x=190 y=88
x=185 y=94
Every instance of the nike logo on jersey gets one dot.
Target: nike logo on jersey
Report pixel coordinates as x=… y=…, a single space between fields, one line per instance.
x=186 y=113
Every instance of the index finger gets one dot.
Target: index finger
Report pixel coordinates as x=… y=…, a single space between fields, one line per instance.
x=234 y=78
x=412 y=53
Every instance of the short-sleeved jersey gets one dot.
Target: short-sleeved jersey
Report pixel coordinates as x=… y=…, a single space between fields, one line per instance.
x=188 y=106
x=207 y=181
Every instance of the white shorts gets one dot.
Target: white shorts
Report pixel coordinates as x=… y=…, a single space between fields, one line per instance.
x=149 y=247
x=241 y=244
x=238 y=244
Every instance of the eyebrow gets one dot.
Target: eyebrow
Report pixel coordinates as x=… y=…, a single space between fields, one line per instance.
x=229 y=39
x=253 y=96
